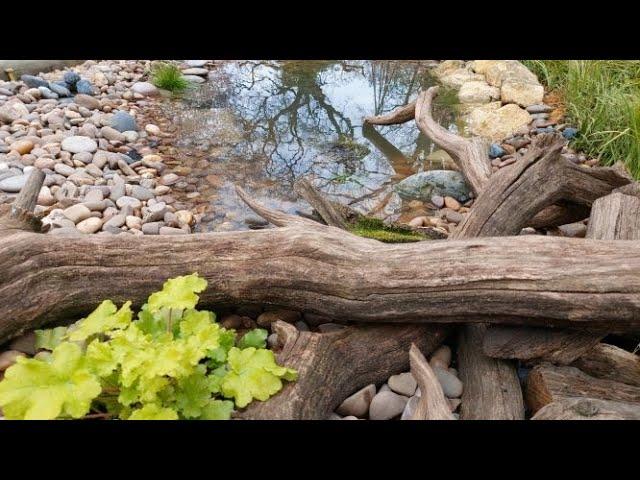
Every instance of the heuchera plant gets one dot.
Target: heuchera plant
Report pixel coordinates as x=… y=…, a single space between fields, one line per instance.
x=171 y=362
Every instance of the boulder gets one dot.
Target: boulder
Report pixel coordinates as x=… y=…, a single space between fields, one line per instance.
x=424 y=185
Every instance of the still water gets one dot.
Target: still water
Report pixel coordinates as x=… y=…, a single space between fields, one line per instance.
x=264 y=124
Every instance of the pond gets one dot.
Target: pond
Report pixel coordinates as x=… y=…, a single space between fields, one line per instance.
x=264 y=124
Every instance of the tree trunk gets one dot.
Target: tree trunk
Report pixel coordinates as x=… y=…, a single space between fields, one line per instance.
x=332 y=366
x=547 y=383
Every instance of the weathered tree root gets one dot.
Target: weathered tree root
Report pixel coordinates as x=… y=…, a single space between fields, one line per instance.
x=402 y=114
x=432 y=405
x=588 y=409
x=331 y=366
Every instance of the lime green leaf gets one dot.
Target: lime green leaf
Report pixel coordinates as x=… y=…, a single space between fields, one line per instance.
x=100 y=358
x=256 y=338
x=193 y=393
x=103 y=319
x=254 y=374
x=217 y=410
x=218 y=356
x=152 y=411
x=36 y=390
x=179 y=292
x=50 y=338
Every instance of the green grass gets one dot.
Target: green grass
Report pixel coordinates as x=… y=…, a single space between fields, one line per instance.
x=602 y=98
x=377 y=230
x=168 y=77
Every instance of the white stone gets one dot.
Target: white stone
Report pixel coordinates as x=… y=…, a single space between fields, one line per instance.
x=477 y=92
x=524 y=94
x=145 y=88
x=77 y=144
x=498 y=124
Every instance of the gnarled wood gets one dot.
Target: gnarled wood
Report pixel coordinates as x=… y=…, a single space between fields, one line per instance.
x=611 y=363
x=491 y=387
x=547 y=383
x=588 y=409
x=325 y=209
x=471 y=155
x=403 y=114
x=539 y=179
x=613 y=217
x=331 y=366
x=432 y=404
x=511 y=280
x=534 y=344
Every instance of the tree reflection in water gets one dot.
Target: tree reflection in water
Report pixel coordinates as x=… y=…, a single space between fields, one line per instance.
x=304 y=118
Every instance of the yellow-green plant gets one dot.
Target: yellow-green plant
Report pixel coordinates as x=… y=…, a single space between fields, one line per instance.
x=172 y=362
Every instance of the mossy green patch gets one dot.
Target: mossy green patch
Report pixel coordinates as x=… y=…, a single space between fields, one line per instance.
x=376 y=229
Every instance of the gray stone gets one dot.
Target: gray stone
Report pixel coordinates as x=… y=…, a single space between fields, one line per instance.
x=539 y=108
x=33 y=81
x=144 y=88
x=386 y=405
x=112 y=134
x=13 y=184
x=410 y=408
x=438 y=201
x=117 y=191
x=403 y=384
x=193 y=78
x=116 y=221
x=196 y=63
x=123 y=121
x=84 y=86
x=358 y=403
x=12 y=111
x=59 y=90
x=126 y=200
x=451 y=385
x=47 y=93
x=71 y=78
x=152 y=228
x=195 y=71
x=155 y=212
x=77 y=144
x=63 y=169
x=424 y=185
x=141 y=193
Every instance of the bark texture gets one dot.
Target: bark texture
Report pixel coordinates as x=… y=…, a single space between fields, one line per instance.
x=332 y=366
x=588 y=409
x=432 y=405
x=611 y=363
x=547 y=384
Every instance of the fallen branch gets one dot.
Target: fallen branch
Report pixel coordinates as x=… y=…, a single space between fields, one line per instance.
x=325 y=209
x=402 y=114
x=588 y=409
x=611 y=363
x=312 y=267
x=531 y=344
x=547 y=384
x=331 y=366
x=432 y=404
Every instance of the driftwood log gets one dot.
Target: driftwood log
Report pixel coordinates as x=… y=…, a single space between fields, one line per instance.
x=432 y=404
x=312 y=267
x=402 y=114
x=613 y=217
x=588 y=409
x=611 y=363
x=535 y=344
x=548 y=383
x=331 y=366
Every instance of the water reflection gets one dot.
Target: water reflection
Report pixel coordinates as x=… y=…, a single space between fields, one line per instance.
x=263 y=124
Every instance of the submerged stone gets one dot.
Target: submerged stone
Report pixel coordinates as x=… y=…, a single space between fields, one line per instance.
x=424 y=185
